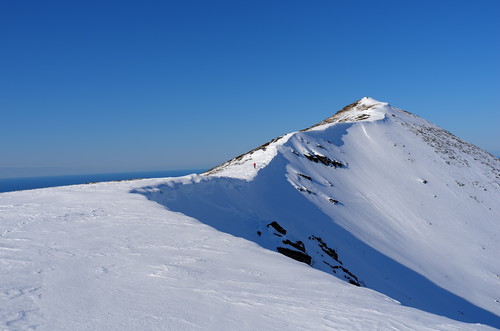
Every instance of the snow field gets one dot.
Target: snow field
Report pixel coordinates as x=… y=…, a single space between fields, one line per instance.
x=98 y=257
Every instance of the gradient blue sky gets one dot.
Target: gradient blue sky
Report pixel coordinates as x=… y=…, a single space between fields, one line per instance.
x=108 y=86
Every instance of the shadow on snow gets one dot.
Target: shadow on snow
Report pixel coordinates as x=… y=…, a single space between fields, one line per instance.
x=240 y=208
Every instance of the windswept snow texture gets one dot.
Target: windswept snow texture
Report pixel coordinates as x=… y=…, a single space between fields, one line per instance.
x=373 y=195
x=96 y=257
x=386 y=205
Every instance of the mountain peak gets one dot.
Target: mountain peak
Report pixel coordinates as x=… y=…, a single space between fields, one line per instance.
x=368 y=100
x=363 y=109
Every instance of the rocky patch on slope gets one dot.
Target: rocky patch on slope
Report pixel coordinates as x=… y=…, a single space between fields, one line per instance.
x=315 y=253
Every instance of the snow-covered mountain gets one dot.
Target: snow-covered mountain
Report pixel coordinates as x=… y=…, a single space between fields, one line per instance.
x=398 y=218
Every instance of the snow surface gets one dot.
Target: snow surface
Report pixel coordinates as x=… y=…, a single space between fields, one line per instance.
x=373 y=195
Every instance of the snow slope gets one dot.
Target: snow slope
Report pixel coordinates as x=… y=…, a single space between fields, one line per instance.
x=373 y=195
x=95 y=257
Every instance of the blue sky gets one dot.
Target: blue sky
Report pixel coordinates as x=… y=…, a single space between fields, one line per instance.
x=108 y=86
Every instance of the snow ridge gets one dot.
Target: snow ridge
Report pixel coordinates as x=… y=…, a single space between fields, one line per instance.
x=261 y=156
x=360 y=110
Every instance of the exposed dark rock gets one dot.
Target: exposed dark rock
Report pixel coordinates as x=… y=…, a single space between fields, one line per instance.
x=299 y=256
x=298 y=244
x=334 y=269
x=305 y=176
x=333 y=201
x=324 y=247
x=362 y=117
x=353 y=282
x=277 y=227
x=303 y=189
x=349 y=276
x=325 y=160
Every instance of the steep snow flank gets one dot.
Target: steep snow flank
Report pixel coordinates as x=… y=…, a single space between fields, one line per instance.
x=373 y=195
x=410 y=203
x=95 y=257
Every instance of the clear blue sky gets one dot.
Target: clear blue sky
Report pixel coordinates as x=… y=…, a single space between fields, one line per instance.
x=107 y=86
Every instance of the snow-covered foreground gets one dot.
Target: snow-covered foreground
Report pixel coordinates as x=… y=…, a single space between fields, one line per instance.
x=96 y=257
x=389 y=222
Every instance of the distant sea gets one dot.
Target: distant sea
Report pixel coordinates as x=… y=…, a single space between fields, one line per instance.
x=28 y=183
